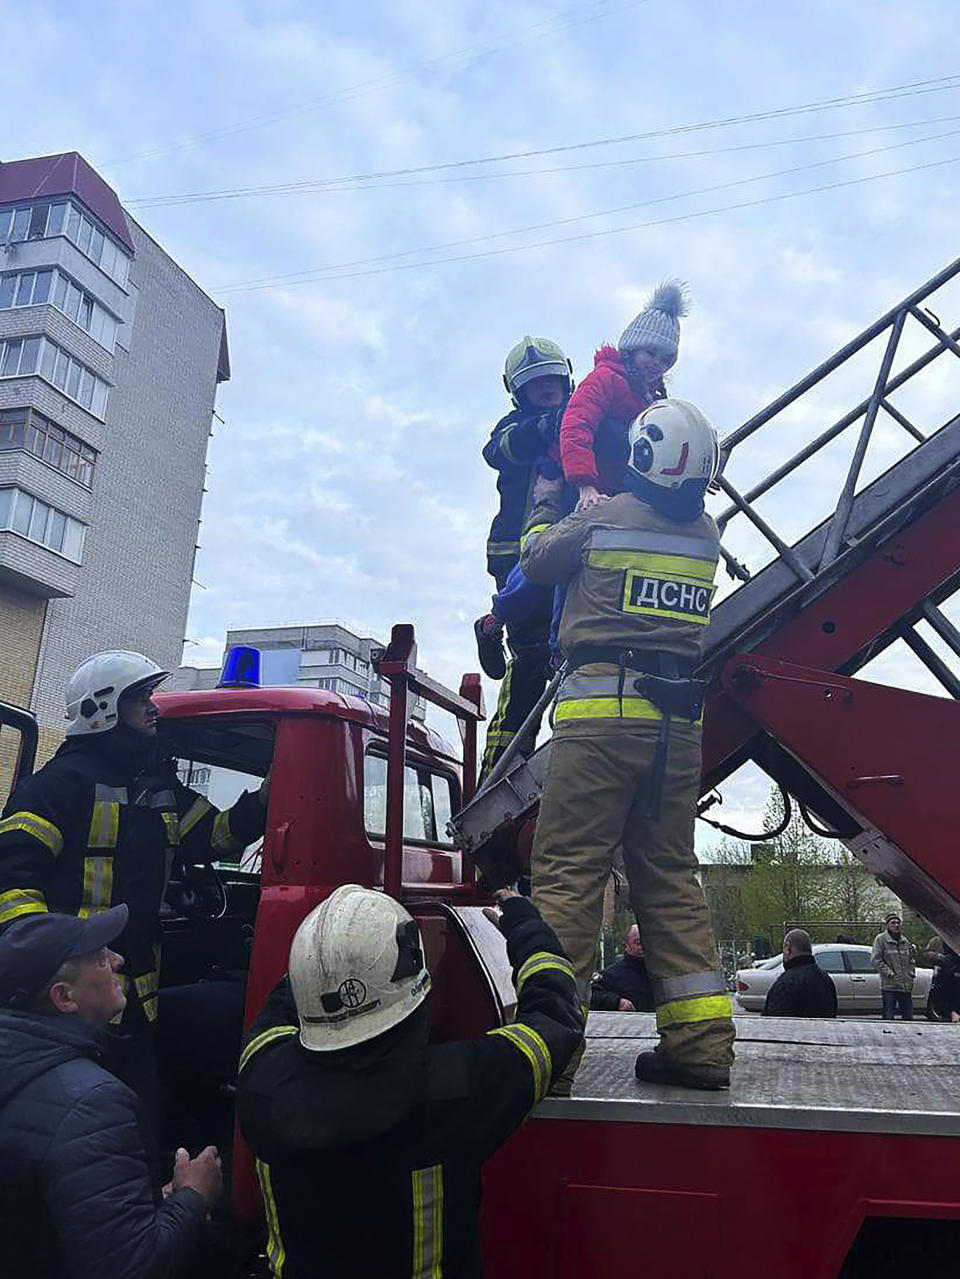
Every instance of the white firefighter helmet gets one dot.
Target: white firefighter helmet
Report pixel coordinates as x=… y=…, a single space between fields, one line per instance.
x=673 y=447
x=96 y=686
x=356 y=969
x=532 y=358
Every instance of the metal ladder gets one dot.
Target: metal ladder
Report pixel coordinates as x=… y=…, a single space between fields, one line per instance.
x=863 y=520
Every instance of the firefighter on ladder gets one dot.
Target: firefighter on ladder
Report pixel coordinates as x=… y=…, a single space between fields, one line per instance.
x=103 y=822
x=625 y=757
x=539 y=379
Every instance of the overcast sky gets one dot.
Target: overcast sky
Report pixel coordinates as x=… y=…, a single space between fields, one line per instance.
x=346 y=482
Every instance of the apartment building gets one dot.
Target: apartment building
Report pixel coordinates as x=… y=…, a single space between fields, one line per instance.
x=325 y=655
x=110 y=356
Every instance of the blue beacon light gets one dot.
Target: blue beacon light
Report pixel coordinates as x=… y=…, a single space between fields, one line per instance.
x=241 y=668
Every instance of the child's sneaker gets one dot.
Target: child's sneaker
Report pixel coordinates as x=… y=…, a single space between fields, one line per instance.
x=489 y=632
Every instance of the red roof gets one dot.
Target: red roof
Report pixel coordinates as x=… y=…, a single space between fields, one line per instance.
x=65 y=174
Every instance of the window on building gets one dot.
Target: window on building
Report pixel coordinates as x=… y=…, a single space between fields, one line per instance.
x=19 y=356
x=38 y=221
x=31 y=288
x=22 y=356
x=25 y=514
x=44 y=218
x=428 y=801
x=29 y=430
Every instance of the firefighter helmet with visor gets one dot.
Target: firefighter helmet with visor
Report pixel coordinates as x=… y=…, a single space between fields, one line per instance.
x=94 y=689
x=673 y=456
x=532 y=358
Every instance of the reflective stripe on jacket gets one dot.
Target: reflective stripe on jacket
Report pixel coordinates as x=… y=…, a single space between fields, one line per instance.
x=636 y=581
x=90 y=830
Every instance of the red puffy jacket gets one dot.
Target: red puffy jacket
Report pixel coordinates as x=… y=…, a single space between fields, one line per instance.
x=603 y=393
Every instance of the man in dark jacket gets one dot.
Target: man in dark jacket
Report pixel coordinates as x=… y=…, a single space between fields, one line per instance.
x=368 y=1141
x=945 y=988
x=803 y=989
x=625 y=986
x=76 y=1201
x=105 y=821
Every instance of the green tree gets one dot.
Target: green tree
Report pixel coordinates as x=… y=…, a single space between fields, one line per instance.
x=773 y=882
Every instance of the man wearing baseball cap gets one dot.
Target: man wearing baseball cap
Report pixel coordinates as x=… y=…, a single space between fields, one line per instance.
x=76 y=1198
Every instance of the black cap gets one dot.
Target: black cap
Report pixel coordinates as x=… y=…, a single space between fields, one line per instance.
x=34 y=947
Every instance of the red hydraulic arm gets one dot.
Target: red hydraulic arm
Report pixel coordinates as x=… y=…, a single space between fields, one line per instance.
x=846 y=619
x=885 y=755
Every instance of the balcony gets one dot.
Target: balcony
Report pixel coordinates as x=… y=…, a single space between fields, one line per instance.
x=32 y=568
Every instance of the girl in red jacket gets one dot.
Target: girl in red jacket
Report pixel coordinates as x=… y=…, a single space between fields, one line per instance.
x=622 y=384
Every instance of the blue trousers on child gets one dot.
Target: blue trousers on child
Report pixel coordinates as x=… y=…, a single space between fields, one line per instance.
x=521 y=600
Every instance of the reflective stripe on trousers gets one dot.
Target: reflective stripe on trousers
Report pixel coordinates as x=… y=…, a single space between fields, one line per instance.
x=276 y=1252
x=668 y=989
x=686 y=1012
x=427 y=1193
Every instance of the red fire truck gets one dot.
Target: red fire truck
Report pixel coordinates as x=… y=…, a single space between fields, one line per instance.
x=836 y=1151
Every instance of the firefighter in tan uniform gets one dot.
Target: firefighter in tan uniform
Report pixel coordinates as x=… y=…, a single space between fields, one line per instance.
x=625 y=758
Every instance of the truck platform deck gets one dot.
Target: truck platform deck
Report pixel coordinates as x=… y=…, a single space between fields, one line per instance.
x=829 y=1076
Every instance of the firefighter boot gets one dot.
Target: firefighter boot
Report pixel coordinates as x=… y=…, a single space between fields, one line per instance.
x=657 y=1068
x=489 y=632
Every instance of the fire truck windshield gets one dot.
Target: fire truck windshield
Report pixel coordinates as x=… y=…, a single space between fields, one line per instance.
x=220 y=762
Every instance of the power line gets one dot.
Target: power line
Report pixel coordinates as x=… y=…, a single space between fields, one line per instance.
x=350 y=92
x=873 y=97
x=318 y=273
x=310 y=188
x=636 y=226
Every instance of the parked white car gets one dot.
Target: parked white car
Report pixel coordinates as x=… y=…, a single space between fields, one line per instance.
x=851 y=970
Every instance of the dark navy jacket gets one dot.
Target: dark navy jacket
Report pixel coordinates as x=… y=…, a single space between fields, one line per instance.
x=625 y=978
x=803 y=989
x=519 y=445
x=369 y=1158
x=76 y=1201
